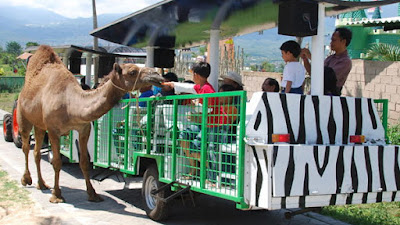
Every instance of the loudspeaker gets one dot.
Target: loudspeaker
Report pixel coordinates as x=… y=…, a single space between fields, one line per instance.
x=164 y=58
x=298 y=18
x=106 y=64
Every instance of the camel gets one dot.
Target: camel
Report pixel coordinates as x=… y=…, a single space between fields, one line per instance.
x=52 y=100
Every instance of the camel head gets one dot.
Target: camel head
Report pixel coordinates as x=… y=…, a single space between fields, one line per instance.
x=131 y=77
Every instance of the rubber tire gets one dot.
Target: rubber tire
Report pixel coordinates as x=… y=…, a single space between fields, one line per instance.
x=155 y=209
x=15 y=134
x=7 y=127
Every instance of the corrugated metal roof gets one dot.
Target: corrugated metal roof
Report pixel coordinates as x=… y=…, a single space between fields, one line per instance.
x=376 y=22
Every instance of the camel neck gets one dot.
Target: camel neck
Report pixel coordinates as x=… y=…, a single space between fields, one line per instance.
x=95 y=103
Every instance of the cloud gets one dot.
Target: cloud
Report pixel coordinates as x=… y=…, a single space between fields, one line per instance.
x=79 y=8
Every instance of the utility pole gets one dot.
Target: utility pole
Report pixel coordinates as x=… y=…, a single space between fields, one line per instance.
x=95 y=45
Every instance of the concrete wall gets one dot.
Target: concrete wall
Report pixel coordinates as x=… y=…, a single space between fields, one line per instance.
x=373 y=79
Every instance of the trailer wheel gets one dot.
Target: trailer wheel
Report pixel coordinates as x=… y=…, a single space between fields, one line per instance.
x=15 y=133
x=7 y=127
x=155 y=208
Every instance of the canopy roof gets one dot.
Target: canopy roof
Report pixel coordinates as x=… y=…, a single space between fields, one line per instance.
x=392 y=23
x=186 y=23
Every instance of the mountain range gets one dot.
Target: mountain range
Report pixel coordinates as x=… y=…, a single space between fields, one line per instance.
x=23 y=24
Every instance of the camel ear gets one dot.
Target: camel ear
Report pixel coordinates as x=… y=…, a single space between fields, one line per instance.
x=117 y=68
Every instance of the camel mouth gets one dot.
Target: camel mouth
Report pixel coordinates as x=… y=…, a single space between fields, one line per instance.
x=154 y=79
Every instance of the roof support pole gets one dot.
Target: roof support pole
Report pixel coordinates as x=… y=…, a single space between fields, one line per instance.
x=150 y=56
x=317 y=52
x=89 y=61
x=214 y=57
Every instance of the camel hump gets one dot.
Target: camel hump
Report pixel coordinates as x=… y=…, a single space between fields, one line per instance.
x=44 y=55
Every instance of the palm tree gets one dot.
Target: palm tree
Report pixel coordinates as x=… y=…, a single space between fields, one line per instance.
x=384 y=52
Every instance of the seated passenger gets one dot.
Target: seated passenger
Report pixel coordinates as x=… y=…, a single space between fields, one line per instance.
x=201 y=72
x=270 y=85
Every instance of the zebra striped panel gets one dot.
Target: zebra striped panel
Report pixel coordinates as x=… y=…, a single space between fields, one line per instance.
x=298 y=176
x=312 y=119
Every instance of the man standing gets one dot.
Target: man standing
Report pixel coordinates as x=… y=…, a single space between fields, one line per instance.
x=340 y=62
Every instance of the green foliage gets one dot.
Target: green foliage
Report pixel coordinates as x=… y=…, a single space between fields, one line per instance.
x=394 y=134
x=366 y=214
x=1 y=71
x=267 y=66
x=14 y=48
x=29 y=44
x=384 y=52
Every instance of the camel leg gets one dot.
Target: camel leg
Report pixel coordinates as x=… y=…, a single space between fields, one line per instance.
x=25 y=128
x=84 y=163
x=55 y=147
x=39 y=136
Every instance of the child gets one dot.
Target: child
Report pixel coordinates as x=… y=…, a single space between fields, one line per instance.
x=270 y=85
x=294 y=72
x=201 y=72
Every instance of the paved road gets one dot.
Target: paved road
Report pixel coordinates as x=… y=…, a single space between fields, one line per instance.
x=122 y=202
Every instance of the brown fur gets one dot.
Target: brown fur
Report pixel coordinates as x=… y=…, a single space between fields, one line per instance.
x=52 y=100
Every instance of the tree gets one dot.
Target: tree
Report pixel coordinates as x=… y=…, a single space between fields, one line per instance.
x=13 y=48
x=267 y=66
x=29 y=44
x=384 y=52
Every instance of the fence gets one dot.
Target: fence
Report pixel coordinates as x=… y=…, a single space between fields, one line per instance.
x=198 y=145
x=11 y=84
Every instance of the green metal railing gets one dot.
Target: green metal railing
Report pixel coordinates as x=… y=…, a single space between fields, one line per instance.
x=382 y=107
x=198 y=144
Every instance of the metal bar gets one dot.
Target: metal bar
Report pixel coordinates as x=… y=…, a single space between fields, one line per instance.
x=203 y=151
x=96 y=139
x=109 y=136
x=174 y=137
x=71 y=137
x=242 y=123
x=385 y=103
x=148 y=126
x=126 y=140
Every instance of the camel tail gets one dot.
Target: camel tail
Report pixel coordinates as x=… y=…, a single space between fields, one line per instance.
x=44 y=55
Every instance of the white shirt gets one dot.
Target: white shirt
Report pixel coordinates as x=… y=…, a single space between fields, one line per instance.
x=294 y=72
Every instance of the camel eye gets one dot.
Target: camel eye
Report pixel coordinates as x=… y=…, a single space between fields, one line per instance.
x=133 y=73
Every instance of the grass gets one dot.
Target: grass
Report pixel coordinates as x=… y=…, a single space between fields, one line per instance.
x=7 y=101
x=386 y=213
x=12 y=196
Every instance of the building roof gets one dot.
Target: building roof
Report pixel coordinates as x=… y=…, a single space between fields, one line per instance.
x=391 y=23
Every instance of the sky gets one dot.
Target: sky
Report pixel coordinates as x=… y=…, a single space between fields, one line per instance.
x=83 y=8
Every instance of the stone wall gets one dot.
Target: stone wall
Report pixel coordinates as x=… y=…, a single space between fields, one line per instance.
x=370 y=79
x=373 y=79
x=253 y=80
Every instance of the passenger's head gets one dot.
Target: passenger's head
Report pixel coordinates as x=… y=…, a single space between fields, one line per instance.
x=270 y=85
x=202 y=68
x=234 y=79
x=290 y=48
x=172 y=77
x=344 y=34
x=341 y=38
x=330 y=82
x=223 y=88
